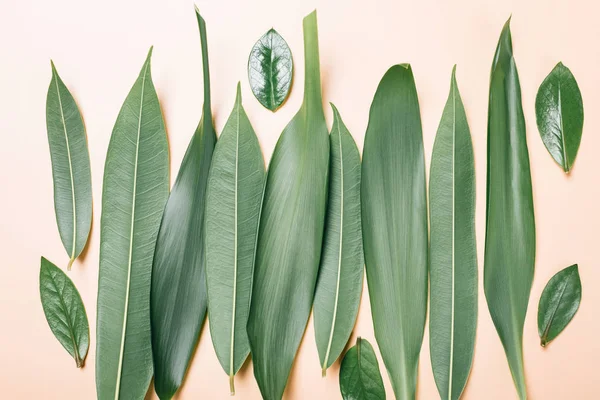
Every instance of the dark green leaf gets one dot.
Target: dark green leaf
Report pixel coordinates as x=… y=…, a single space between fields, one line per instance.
x=360 y=378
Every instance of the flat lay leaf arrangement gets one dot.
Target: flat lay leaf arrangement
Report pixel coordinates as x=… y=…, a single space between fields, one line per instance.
x=360 y=378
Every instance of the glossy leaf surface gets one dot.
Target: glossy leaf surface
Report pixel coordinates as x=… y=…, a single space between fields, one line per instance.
x=178 y=297
x=394 y=223
x=70 y=167
x=559 y=303
x=453 y=262
x=339 y=286
x=559 y=112
x=233 y=203
x=136 y=187
x=64 y=311
x=270 y=70
x=360 y=378
x=510 y=228
x=290 y=233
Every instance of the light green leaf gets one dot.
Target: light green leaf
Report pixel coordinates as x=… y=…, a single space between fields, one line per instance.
x=70 y=167
x=136 y=187
x=510 y=229
x=178 y=296
x=290 y=233
x=340 y=281
x=360 y=378
x=394 y=223
x=270 y=70
x=559 y=303
x=64 y=311
x=559 y=112
x=453 y=268
x=233 y=203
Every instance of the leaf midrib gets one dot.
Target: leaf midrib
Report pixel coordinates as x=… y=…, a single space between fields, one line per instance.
x=562 y=131
x=450 y=374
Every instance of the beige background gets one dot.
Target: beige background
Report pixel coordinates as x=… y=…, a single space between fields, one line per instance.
x=99 y=47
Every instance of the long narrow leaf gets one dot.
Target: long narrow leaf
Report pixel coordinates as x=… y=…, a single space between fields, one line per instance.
x=510 y=229
x=394 y=223
x=136 y=186
x=290 y=233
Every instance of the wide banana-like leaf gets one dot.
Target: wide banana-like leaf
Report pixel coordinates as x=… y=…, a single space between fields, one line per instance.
x=233 y=202
x=70 y=167
x=510 y=229
x=136 y=186
x=290 y=233
x=178 y=296
x=394 y=223
x=453 y=262
x=339 y=286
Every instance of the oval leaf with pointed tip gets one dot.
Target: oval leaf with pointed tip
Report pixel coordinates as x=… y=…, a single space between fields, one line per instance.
x=70 y=167
x=270 y=70
x=559 y=303
x=339 y=285
x=64 y=311
x=233 y=201
x=290 y=233
x=453 y=268
x=360 y=378
x=394 y=223
x=559 y=112
x=136 y=187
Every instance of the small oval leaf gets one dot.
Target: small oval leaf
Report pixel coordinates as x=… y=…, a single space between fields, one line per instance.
x=559 y=303
x=64 y=311
x=559 y=114
x=360 y=378
x=270 y=68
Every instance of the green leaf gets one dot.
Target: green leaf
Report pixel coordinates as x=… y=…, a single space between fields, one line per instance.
x=453 y=268
x=178 y=296
x=340 y=281
x=290 y=233
x=70 y=167
x=360 y=378
x=270 y=68
x=136 y=187
x=559 y=303
x=559 y=112
x=64 y=311
x=394 y=223
x=233 y=203
x=510 y=229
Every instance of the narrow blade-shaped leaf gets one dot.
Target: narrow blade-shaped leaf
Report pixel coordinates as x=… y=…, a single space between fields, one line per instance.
x=559 y=303
x=136 y=187
x=178 y=296
x=453 y=268
x=64 y=311
x=290 y=233
x=70 y=167
x=233 y=203
x=360 y=378
x=394 y=223
x=270 y=70
x=339 y=285
x=510 y=229
x=559 y=112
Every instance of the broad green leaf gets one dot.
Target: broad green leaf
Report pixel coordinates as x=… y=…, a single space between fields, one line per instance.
x=453 y=262
x=178 y=296
x=559 y=112
x=270 y=70
x=64 y=311
x=510 y=229
x=394 y=223
x=233 y=203
x=360 y=378
x=290 y=233
x=70 y=167
x=559 y=303
x=136 y=187
x=340 y=281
